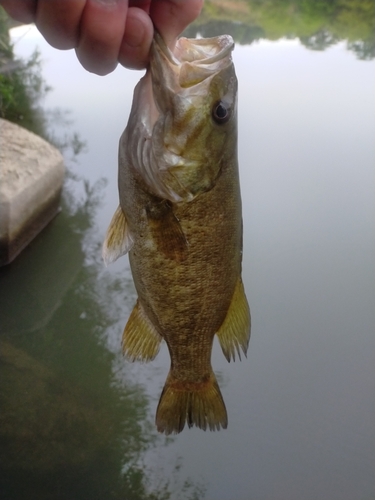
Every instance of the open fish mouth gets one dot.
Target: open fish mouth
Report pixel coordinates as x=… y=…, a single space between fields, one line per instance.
x=199 y=50
x=192 y=60
x=189 y=82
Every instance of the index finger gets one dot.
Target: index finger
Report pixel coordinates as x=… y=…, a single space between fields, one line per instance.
x=171 y=17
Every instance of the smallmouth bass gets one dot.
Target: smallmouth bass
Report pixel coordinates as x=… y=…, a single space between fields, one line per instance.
x=180 y=220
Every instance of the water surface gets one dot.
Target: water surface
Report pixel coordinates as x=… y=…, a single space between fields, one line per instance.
x=78 y=419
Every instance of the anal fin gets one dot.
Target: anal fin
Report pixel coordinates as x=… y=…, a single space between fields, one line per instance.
x=140 y=340
x=234 y=333
x=118 y=240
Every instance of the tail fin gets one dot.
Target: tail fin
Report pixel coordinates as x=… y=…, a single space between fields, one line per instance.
x=198 y=403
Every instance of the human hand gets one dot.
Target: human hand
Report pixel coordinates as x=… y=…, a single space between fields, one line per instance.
x=105 y=32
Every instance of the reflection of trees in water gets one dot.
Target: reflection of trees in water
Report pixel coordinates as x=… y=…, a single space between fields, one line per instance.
x=317 y=23
x=319 y=41
x=365 y=49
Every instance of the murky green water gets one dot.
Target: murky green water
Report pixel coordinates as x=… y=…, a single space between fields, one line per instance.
x=77 y=420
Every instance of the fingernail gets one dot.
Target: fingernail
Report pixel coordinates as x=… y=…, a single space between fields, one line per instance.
x=106 y=2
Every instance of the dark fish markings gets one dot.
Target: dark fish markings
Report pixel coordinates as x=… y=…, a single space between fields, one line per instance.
x=166 y=230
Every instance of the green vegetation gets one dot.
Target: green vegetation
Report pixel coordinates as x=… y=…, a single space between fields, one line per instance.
x=21 y=91
x=317 y=23
x=21 y=86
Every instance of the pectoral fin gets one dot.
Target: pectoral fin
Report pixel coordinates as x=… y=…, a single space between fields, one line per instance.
x=234 y=333
x=140 y=340
x=166 y=231
x=118 y=240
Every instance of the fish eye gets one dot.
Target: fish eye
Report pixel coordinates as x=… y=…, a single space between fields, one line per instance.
x=220 y=112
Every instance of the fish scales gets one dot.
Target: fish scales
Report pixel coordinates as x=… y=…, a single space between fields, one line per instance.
x=180 y=220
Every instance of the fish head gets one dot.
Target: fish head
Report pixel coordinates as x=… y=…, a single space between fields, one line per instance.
x=192 y=118
x=195 y=92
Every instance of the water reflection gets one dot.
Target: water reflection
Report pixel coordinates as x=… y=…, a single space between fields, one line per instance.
x=70 y=427
x=317 y=25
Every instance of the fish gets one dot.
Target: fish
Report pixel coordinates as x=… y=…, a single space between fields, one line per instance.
x=180 y=220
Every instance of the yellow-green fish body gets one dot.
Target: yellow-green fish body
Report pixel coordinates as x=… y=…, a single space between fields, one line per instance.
x=180 y=219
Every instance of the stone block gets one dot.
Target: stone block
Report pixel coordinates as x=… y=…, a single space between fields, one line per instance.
x=31 y=179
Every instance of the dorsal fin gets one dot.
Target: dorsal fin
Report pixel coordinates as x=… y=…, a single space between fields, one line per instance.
x=118 y=240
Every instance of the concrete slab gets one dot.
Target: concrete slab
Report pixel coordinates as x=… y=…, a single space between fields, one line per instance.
x=31 y=178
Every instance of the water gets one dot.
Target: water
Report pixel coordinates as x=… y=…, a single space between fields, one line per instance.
x=77 y=420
